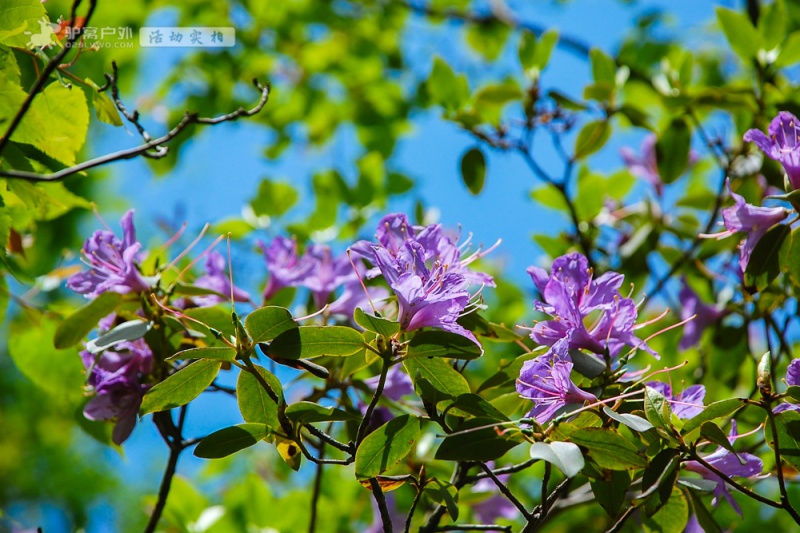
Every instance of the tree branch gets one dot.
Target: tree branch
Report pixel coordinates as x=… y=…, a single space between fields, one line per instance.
x=154 y=148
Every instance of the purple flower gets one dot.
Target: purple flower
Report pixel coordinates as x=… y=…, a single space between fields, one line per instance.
x=397 y=384
x=326 y=273
x=704 y=316
x=783 y=144
x=115 y=375
x=353 y=296
x=394 y=230
x=546 y=381
x=729 y=464
x=285 y=269
x=644 y=164
x=112 y=263
x=752 y=220
x=571 y=295
x=426 y=297
x=687 y=404
x=793 y=373
x=217 y=279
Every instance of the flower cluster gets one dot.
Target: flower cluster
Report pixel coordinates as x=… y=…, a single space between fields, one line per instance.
x=573 y=297
x=113 y=263
x=426 y=272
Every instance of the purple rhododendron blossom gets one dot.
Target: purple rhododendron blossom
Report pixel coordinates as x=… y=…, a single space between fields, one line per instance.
x=397 y=383
x=793 y=373
x=750 y=219
x=284 y=266
x=426 y=297
x=571 y=295
x=644 y=164
x=546 y=381
x=394 y=230
x=217 y=279
x=704 y=316
x=782 y=144
x=326 y=273
x=112 y=263
x=687 y=404
x=729 y=464
x=116 y=376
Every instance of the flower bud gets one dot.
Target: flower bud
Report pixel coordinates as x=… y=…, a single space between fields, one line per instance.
x=764 y=381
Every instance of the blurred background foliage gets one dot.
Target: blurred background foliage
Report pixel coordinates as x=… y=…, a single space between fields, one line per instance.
x=349 y=79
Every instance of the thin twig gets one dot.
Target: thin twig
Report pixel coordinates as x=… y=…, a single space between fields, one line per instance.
x=362 y=427
x=377 y=493
x=787 y=505
x=188 y=119
x=506 y=492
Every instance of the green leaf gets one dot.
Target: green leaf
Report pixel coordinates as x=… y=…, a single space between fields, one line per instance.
x=376 y=324
x=104 y=108
x=671 y=518
x=75 y=327
x=608 y=448
x=221 y=353
x=58 y=372
x=314 y=341
x=274 y=198
x=446 y=495
x=473 y=405
x=254 y=402
x=566 y=102
x=127 y=331
x=657 y=409
x=788 y=427
x=19 y=16
x=445 y=88
x=439 y=374
x=604 y=69
x=703 y=515
x=534 y=54
x=9 y=68
x=634 y=422
x=591 y=138
x=793 y=391
x=790 y=51
x=764 y=265
x=473 y=170
x=230 y=440
x=386 y=446
x=471 y=444
x=216 y=317
x=487 y=39
x=741 y=35
x=266 y=323
x=565 y=456
x=181 y=387
x=438 y=343
x=56 y=123
x=711 y=412
x=308 y=412
x=711 y=432
x=772 y=24
x=610 y=492
x=672 y=150
x=659 y=479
